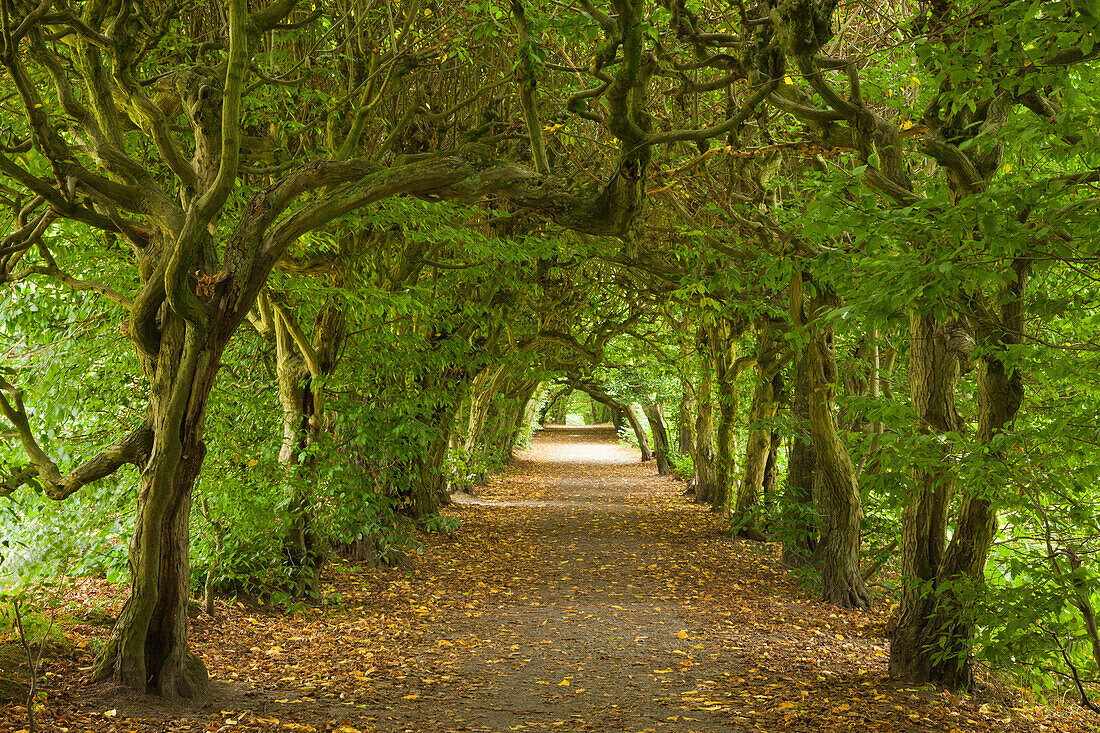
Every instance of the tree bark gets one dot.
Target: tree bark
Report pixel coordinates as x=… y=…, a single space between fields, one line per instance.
x=933 y=375
x=758 y=447
x=941 y=653
x=483 y=390
x=726 y=378
x=836 y=491
x=148 y=649
x=520 y=414
x=685 y=441
x=639 y=432
x=660 y=438
x=799 y=521
x=685 y=424
x=706 y=469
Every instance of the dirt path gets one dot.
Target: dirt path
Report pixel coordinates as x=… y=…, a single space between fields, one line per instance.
x=586 y=594
x=581 y=593
x=584 y=632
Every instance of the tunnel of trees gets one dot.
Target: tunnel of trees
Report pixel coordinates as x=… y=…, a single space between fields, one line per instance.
x=277 y=278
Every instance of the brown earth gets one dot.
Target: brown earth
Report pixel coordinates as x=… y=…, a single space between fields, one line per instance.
x=581 y=593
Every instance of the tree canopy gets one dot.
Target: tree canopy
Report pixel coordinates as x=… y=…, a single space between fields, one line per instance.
x=277 y=279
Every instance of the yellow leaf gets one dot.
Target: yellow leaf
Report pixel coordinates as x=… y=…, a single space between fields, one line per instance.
x=786 y=705
x=682 y=635
x=563 y=683
x=410 y=697
x=788 y=80
x=252 y=463
x=907 y=124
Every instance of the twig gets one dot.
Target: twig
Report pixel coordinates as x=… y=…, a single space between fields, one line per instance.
x=34 y=661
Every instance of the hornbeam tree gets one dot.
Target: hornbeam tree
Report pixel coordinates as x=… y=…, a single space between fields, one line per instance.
x=126 y=133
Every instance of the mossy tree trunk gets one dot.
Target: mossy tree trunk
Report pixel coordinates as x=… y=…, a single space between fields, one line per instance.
x=758 y=447
x=933 y=637
x=636 y=425
x=483 y=390
x=685 y=423
x=799 y=521
x=836 y=491
x=934 y=369
x=706 y=464
x=302 y=364
x=657 y=424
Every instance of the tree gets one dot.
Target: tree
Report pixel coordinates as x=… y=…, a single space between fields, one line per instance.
x=161 y=173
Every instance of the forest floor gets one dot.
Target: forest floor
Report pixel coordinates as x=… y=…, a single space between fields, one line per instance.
x=581 y=593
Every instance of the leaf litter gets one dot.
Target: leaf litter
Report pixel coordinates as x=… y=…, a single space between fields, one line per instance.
x=581 y=593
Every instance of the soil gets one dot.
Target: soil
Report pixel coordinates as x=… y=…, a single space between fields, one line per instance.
x=580 y=593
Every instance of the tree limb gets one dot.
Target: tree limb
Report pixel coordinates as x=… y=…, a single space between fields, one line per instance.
x=133 y=448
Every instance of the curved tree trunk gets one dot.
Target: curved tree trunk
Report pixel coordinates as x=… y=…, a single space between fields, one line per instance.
x=660 y=438
x=941 y=654
x=836 y=491
x=521 y=413
x=300 y=365
x=148 y=649
x=758 y=447
x=639 y=432
x=483 y=390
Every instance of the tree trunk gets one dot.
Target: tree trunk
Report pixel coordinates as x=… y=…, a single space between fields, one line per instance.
x=726 y=377
x=546 y=413
x=147 y=649
x=933 y=375
x=529 y=409
x=561 y=409
x=685 y=437
x=770 y=486
x=836 y=491
x=520 y=414
x=799 y=519
x=660 y=438
x=639 y=432
x=483 y=390
x=616 y=418
x=706 y=469
x=429 y=488
x=758 y=447
x=298 y=364
x=426 y=491
x=942 y=653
